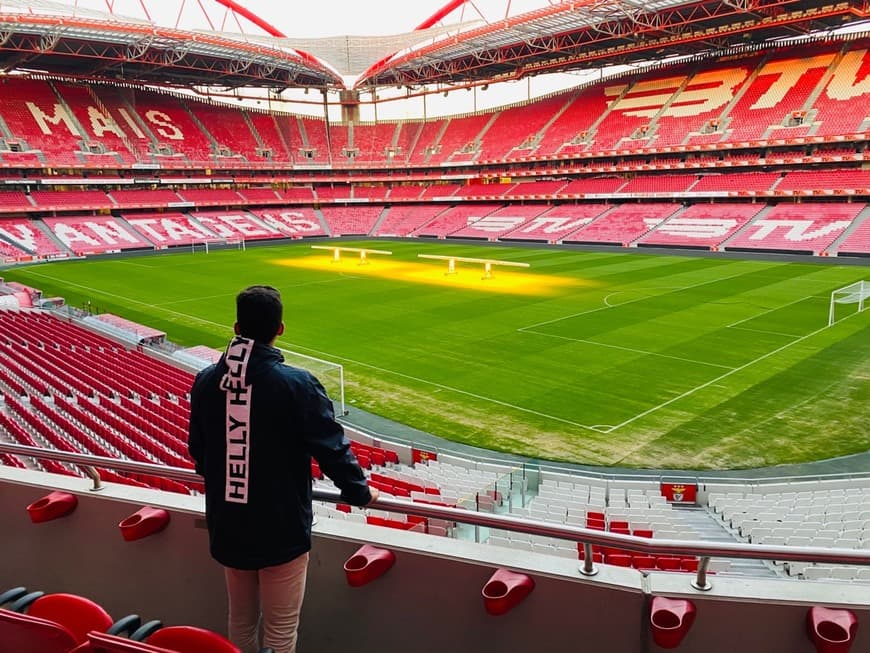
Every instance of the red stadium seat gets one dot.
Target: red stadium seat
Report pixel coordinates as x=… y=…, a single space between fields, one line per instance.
x=597 y=516
x=76 y=613
x=620 y=531
x=624 y=224
x=689 y=564
x=666 y=563
x=102 y=643
x=402 y=219
x=20 y=632
x=809 y=228
x=597 y=556
x=56 y=623
x=189 y=639
x=175 y=639
x=456 y=219
x=618 y=559
x=643 y=562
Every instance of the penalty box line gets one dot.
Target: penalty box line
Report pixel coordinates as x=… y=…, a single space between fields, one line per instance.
x=733 y=325
x=724 y=376
x=631 y=349
x=771 y=310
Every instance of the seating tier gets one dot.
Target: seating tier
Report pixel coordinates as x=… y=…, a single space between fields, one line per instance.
x=557 y=222
x=455 y=219
x=624 y=224
x=351 y=220
x=702 y=225
x=94 y=234
x=403 y=219
x=808 y=228
x=297 y=222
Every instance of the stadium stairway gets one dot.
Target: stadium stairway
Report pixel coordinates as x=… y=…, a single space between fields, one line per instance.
x=862 y=217
x=48 y=233
x=711 y=529
x=761 y=215
x=377 y=225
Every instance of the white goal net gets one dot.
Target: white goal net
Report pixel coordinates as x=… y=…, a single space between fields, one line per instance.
x=205 y=246
x=848 y=300
x=331 y=375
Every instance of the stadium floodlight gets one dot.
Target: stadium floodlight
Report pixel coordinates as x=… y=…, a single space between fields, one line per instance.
x=487 y=262
x=336 y=252
x=855 y=293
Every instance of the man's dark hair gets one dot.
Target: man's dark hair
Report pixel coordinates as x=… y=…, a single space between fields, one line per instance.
x=259 y=313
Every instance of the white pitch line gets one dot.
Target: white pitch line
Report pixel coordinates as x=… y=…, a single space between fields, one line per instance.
x=138 y=265
x=130 y=299
x=194 y=299
x=636 y=351
x=723 y=376
x=441 y=386
x=233 y=294
x=607 y=299
x=770 y=310
x=341 y=358
x=647 y=296
x=632 y=301
x=774 y=333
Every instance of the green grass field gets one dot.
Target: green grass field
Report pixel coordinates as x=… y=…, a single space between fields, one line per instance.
x=634 y=359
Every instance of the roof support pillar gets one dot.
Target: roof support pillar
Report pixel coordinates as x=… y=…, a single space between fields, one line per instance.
x=349 y=106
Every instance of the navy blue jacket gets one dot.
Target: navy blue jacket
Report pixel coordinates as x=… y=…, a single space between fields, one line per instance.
x=291 y=420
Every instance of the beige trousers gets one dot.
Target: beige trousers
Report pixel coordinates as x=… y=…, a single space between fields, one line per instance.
x=276 y=594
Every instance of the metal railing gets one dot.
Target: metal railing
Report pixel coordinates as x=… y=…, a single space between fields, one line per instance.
x=586 y=537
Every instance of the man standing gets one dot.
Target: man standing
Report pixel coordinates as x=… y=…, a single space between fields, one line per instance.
x=255 y=424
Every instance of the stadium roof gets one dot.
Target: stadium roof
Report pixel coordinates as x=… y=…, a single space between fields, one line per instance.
x=591 y=33
x=51 y=37
x=458 y=45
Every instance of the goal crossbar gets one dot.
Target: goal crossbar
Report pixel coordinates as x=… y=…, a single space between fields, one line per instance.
x=855 y=293
x=205 y=243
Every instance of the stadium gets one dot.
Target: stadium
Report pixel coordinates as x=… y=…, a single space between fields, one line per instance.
x=585 y=281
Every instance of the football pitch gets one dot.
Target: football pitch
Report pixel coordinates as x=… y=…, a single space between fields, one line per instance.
x=626 y=359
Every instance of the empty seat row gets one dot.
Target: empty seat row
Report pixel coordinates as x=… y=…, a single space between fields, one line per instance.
x=63 y=623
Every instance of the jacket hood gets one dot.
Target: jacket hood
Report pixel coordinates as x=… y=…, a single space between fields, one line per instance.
x=259 y=358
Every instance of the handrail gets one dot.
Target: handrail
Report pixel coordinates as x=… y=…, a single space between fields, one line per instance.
x=175 y=473
x=585 y=536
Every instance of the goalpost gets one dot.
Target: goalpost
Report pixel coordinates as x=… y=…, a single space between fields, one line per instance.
x=233 y=242
x=331 y=375
x=855 y=293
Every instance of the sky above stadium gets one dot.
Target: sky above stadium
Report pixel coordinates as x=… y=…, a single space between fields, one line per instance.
x=344 y=17
x=316 y=19
x=377 y=17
